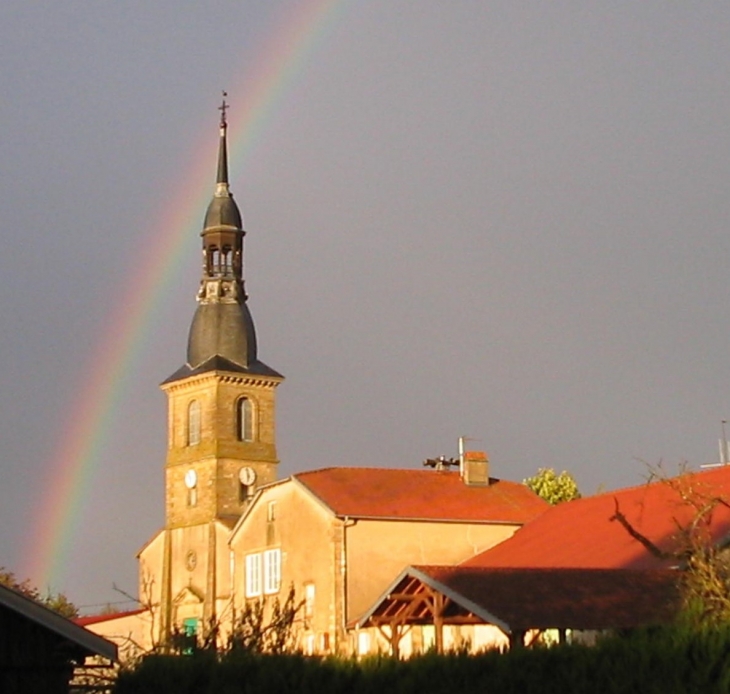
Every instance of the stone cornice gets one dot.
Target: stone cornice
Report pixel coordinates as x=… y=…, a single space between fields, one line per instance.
x=269 y=382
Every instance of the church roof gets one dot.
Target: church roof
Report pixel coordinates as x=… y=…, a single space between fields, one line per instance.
x=223 y=212
x=218 y=363
x=584 y=533
x=420 y=495
x=222 y=334
x=224 y=330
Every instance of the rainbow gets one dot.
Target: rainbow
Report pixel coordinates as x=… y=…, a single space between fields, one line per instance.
x=76 y=455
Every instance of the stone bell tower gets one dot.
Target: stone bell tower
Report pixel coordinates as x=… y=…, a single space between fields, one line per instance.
x=221 y=423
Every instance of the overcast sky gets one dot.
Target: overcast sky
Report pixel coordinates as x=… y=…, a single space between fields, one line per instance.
x=495 y=219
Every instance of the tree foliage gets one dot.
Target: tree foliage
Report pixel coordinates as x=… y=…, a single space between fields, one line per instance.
x=553 y=487
x=57 y=602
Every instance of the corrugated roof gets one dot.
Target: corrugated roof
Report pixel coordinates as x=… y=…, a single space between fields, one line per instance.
x=581 y=534
x=421 y=495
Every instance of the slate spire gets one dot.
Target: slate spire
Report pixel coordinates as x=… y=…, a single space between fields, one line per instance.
x=222 y=326
x=222 y=336
x=222 y=179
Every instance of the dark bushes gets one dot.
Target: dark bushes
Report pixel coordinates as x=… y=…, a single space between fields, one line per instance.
x=678 y=659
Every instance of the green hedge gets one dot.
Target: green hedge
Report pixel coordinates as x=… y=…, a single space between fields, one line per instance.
x=664 y=661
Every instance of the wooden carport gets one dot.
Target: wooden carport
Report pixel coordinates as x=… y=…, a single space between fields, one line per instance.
x=521 y=600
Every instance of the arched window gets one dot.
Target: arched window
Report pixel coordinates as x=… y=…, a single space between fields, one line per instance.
x=227 y=262
x=244 y=420
x=216 y=262
x=194 y=423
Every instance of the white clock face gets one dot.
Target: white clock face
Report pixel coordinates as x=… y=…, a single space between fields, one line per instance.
x=191 y=479
x=247 y=476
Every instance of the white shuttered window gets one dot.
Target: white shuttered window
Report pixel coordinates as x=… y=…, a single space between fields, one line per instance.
x=272 y=570
x=253 y=575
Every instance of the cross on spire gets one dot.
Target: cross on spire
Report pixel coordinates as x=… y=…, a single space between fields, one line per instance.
x=223 y=108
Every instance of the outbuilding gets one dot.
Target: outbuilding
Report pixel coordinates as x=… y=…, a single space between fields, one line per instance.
x=39 y=649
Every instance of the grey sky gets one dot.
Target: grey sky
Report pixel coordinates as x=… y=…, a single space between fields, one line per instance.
x=505 y=220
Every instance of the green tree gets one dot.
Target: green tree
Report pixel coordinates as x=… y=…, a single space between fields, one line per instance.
x=553 y=487
x=57 y=602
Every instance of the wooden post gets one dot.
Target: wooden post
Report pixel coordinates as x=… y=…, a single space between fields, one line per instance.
x=516 y=640
x=395 y=636
x=438 y=621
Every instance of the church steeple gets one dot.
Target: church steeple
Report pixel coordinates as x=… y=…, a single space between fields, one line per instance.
x=222 y=400
x=221 y=441
x=222 y=334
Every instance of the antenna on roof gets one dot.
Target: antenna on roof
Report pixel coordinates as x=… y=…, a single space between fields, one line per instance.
x=462 y=450
x=440 y=463
x=723 y=446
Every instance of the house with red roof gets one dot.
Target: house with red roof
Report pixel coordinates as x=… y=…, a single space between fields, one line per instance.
x=587 y=533
x=611 y=561
x=340 y=535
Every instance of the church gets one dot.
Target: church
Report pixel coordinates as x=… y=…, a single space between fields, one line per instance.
x=235 y=532
x=379 y=559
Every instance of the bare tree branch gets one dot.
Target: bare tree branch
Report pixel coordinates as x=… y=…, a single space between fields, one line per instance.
x=645 y=541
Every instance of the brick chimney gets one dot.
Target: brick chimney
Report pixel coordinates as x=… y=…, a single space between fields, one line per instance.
x=475 y=468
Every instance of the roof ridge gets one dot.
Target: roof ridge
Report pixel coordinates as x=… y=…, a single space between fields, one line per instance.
x=646 y=484
x=374 y=468
x=87 y=620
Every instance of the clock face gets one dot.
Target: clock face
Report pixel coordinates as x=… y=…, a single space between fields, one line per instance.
x=191 y=479
x=247 y=476
x=191 y=560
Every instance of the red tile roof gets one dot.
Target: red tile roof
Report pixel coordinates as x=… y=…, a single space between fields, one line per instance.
x=521 y=599
x=581 y=533
x=421 y=495
x=97 y=618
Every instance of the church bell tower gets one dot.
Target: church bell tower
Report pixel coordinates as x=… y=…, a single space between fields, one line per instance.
x=221 y=421
x=221 y=436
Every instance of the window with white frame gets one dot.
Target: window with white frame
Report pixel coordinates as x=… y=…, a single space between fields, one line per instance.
x=272 y=570
x=253 y=575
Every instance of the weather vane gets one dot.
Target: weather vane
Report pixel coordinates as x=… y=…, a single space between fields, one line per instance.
x=223 y=108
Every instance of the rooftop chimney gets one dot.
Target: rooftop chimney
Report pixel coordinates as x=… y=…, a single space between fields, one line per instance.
x=475 y=468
